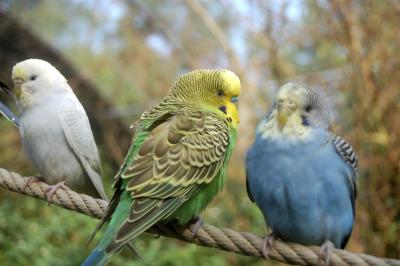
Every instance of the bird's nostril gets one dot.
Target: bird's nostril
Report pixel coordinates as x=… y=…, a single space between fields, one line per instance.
x=18 y=81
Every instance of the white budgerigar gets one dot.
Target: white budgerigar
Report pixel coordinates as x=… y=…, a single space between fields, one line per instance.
x=55 y=130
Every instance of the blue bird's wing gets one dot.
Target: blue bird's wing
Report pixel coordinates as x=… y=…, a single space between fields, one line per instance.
x=248 y=186
x=347 y=153
x=249 y=191
x=248 y=175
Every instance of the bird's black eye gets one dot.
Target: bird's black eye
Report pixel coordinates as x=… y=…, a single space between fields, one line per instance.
x=308 y=108
x=220 y=93
x=33 y=77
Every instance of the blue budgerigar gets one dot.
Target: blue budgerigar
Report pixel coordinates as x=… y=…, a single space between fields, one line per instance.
x=301 y=176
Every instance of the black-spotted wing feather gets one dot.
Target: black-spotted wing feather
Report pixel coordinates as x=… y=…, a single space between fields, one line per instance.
x=176 y=159
x=346 y=151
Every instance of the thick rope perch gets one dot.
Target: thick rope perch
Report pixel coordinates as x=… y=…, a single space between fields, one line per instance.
x=209 y=236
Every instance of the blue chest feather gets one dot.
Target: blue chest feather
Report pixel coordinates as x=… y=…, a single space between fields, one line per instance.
x=301 y=187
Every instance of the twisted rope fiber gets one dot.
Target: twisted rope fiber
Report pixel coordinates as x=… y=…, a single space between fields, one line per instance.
x=209 y=236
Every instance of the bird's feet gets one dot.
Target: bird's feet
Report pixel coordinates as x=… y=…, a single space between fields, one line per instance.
x=267 y=244
x=325 y=253
x=198 y=222
x=51 y=190
x=30 y=181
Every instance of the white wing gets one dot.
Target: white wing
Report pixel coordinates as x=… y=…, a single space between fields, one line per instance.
x=80 y=138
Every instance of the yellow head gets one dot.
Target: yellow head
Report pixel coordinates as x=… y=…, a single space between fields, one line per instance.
x=215 y=90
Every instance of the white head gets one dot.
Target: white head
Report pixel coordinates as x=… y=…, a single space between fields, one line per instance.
x=34 y=79
x=296 y=109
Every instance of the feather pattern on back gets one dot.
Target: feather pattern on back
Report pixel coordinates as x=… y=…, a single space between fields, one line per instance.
x=178 y=158
x=179 y=155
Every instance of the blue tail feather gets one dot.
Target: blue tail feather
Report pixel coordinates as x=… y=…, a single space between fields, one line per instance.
x=96 y=258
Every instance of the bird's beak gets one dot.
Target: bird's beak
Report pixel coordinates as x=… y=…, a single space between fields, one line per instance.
x=17 y=90
x=282 y=119
x=17 y=86
x=284 y=111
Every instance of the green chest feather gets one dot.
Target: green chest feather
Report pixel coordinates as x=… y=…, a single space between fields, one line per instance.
x=194 y=206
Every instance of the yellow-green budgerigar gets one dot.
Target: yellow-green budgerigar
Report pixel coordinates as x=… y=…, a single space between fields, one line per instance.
x=178 y=159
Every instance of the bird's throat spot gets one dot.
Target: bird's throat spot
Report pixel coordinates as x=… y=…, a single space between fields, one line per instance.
x=223 y=109
x=282 y=119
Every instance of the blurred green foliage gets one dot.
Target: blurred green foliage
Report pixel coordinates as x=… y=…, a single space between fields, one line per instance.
x=134 y=50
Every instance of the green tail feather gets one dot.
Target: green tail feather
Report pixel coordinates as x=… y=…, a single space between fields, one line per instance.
x=99 y=255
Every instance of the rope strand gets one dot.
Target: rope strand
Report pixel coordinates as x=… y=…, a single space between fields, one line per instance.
x=209 y=236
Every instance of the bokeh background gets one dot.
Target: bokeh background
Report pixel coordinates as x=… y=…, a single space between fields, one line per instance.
x=122 y=56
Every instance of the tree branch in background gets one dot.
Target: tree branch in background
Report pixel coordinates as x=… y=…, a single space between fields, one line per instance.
x=249 y=95
x=159 y=26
